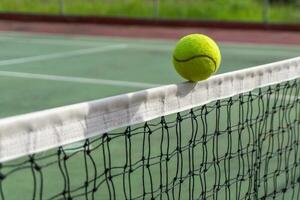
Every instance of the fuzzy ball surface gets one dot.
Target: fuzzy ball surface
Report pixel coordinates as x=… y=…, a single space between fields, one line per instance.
x=196 y=57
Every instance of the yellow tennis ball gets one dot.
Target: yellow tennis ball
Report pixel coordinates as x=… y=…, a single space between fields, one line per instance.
x=196 y=57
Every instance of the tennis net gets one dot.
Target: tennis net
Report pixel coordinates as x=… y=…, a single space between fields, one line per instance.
x=233 y=136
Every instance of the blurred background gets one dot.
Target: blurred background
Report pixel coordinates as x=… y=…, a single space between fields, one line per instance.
x=265 y=11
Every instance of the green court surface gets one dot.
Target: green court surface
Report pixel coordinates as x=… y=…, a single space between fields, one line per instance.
x=43 y=71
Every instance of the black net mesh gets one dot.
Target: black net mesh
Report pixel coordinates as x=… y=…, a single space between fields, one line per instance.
x=243 y=147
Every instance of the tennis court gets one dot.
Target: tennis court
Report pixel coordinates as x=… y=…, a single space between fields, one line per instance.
x=39 y=71
x=44 y=71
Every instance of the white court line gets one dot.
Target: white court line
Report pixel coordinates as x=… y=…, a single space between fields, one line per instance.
x=60 y=42
x=233 y=48
x=83 y=43
x=61 y=55
x=6 y=38
x=125 y=40
x=83 y=38
x=78 y=80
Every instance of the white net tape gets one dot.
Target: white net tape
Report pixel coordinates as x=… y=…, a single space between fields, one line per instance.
x=39 y=131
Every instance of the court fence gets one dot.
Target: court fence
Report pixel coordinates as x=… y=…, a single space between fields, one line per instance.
x=149 y=8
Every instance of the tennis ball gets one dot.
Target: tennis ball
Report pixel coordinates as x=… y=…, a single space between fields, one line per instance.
x=196 y=57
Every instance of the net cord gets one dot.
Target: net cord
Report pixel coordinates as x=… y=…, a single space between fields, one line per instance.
x=39 y=131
